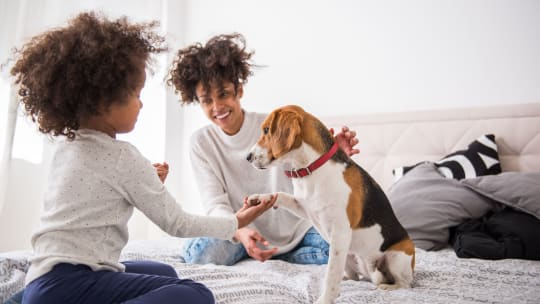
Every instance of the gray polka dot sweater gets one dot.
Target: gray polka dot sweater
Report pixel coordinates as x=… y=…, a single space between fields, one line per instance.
x=95 y=182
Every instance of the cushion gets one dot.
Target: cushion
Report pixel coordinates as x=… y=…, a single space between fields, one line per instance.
x=518 y=190
x=427 y=204
x=480 y=158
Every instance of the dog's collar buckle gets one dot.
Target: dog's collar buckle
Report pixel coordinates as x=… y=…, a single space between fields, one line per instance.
x=298 y=173
x=302 y=172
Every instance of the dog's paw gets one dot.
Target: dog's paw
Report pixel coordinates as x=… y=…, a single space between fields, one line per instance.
x=324 y=300
x=390 y=286
x=255 y=199
x=328 y=298
x=352 y=276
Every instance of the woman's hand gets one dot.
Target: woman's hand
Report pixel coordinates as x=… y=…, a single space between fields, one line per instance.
x=162 y=170
x=250 y=239
x=249 y=212
x=346 y=140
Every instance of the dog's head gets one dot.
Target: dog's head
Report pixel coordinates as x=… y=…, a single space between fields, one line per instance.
x=281 y=133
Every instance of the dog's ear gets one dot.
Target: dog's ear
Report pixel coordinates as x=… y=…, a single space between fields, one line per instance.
x=286 y=128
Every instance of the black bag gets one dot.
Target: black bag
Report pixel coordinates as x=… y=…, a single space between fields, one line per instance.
x=507 y=234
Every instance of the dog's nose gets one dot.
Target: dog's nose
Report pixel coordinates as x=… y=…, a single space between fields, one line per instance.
x=249 y=157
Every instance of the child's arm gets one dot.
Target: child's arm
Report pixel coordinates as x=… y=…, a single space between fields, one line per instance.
x=142 y=190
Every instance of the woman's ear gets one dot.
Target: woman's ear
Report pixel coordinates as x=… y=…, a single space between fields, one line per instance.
x=240 y=91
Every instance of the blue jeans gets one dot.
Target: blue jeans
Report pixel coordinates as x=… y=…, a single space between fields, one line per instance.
x=143 y=282
x=313 y=249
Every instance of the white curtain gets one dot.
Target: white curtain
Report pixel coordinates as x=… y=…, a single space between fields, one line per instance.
x=11 y=23
x=25 y=153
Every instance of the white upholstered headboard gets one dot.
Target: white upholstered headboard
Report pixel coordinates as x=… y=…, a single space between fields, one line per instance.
x=391 y=140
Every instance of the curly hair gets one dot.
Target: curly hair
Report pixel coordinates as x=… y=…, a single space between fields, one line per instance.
x=77 y=71
x=222 y=59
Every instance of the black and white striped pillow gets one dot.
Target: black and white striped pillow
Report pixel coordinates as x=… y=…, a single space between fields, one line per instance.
x=480 y=158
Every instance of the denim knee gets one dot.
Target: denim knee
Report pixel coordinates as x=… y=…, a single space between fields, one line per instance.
x=212 y=251
x=313 y=249
x=305 y=255
x=314 y=239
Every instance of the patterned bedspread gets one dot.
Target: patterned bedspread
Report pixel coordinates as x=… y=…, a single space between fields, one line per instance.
x=440 y=277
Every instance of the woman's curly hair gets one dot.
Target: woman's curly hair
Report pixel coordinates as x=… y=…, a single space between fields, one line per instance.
x=76 y=71
x=222 y=59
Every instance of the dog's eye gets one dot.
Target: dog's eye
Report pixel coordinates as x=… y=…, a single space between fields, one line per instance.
x=265 y=130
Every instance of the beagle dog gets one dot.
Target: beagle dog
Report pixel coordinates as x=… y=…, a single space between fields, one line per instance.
x=344 y=203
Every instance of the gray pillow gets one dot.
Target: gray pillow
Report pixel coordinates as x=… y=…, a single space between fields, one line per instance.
x=427 y=204
x=519 y=190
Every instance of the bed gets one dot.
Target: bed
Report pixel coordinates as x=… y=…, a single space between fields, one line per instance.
x=404 y=146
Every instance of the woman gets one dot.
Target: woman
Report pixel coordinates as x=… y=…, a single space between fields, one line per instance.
x=214 y=75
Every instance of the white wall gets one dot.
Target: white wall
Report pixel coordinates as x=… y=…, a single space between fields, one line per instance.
x=342 y=56
x=375 y=56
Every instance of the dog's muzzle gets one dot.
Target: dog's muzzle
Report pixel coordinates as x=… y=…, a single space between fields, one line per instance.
x=257 y=158
x=251 y=158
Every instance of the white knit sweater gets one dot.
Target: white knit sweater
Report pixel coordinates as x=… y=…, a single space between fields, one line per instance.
x=95 y=182
x=225 y=177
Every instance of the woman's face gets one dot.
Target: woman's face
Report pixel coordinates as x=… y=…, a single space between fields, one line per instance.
x=222 y=106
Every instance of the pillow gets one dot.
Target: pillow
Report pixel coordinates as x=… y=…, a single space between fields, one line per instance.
x=427 y=204
x=480 y=158
x=518 y=190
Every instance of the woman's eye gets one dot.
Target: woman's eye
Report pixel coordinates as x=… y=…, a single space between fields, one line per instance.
x=265 y=130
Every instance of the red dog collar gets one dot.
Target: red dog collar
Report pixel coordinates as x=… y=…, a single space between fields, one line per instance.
x=298 y=173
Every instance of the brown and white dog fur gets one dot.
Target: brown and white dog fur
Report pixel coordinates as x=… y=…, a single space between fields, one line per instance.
x=344 y=203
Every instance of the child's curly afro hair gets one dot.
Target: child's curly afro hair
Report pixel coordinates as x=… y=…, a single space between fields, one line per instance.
x=77 y=71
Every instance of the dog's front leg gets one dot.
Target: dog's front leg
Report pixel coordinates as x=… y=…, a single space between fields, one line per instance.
x=340 y=240
x=289 y=202
x=284 y=200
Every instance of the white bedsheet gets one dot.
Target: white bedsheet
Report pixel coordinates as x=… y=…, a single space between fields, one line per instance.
x=440 y=277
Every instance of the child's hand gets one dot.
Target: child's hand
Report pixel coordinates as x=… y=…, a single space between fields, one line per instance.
x=249 y=212
x=346 y=140
x=162 y=170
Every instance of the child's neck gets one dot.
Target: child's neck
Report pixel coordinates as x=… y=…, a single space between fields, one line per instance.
x=97 y=123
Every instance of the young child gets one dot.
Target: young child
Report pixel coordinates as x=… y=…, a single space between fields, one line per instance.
x=82 y=84
x=213 y=75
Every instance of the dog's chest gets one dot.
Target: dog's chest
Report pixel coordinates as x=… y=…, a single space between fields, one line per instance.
x=325 y=187
x=324 y=196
